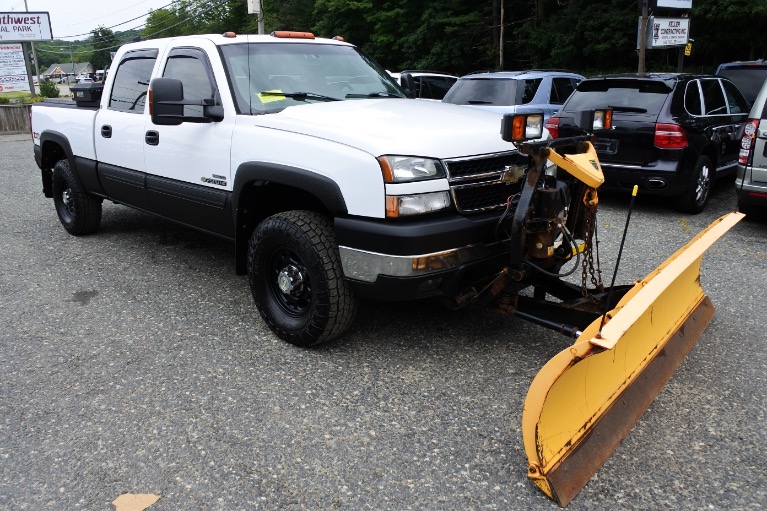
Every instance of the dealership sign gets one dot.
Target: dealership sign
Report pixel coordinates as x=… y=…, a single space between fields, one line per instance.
x=25 y=26
x=13 y=71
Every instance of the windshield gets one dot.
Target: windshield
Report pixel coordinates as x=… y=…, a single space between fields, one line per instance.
x=306 y=73
x=492 y=91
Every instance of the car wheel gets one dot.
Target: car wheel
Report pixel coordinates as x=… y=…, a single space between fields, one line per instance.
x=695 y=198
x=78 y=211
x=296 y=278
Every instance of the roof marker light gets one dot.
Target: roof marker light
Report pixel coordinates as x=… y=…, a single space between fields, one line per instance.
x=292 y=35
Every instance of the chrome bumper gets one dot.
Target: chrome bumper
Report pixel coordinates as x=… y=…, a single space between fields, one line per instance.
x=368 y=266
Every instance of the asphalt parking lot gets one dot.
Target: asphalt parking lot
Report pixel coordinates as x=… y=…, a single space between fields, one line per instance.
x=133 y=361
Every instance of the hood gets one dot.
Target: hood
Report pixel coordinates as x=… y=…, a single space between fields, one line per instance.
x=395 y=126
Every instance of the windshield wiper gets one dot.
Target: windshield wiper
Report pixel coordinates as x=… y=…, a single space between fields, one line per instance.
x=479 y=102
x=628 y=109
x=374 y=95
x=299 y=96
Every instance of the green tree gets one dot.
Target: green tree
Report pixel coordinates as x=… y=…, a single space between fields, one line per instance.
x=168 y=22
x=103 y=41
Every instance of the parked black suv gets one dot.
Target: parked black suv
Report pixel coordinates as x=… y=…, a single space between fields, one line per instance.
x=672 y=134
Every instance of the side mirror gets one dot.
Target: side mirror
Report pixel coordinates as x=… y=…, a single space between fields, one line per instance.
x=166 y=104
x=408 y=85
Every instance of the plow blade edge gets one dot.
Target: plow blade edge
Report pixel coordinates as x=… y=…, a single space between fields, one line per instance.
x=586 y=399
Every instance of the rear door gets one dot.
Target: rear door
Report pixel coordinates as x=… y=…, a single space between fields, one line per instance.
x=119 y=137
x=724 y=110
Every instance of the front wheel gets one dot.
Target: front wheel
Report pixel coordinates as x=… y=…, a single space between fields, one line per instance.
x=694 y=199
x=78 y=211
x=296 y=278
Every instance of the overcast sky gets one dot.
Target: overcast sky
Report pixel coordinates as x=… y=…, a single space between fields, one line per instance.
x=74 y=19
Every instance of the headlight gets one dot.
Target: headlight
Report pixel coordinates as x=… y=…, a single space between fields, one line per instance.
x=401 y=169
x=406 y=205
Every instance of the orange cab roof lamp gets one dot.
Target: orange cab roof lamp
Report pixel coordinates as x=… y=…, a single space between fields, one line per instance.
x=292 y=35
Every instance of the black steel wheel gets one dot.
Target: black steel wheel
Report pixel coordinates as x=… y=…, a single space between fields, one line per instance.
x=695 y=198
x=296 y=278
x=78 y=211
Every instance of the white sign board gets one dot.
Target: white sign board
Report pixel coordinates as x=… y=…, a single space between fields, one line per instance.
x=254 y=6
x=675 y=4
x=664 y=32
x=13 y=71
x=25 y=26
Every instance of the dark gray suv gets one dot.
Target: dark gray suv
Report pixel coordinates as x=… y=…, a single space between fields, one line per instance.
x=751 y=178
x=672 y=134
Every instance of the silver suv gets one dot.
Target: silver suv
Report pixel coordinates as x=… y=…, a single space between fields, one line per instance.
x=751 y=177
x=508 y=92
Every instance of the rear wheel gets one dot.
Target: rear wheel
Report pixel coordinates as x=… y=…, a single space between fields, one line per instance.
x=79 y=212
x=296 y=278
x=695 y=198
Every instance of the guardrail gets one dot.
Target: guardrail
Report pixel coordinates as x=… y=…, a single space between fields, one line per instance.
x=14 y=119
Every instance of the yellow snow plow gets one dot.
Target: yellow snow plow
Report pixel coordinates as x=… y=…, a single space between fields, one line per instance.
x=629 y=339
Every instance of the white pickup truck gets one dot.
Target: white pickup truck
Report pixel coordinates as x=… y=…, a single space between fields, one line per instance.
x=332 y=184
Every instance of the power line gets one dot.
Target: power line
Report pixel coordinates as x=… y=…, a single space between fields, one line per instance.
x=191 y=17
x=123 y=23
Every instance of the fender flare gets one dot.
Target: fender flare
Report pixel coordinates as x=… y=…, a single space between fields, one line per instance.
x=322 y=187
x=44 y=165
x=61 y=140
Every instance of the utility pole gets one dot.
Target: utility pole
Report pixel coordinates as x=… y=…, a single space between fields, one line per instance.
x=642 y=37
x=257 y=7
x=26 y=59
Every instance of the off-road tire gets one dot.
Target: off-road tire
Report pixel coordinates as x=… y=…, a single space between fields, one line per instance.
x=695 y=197
x=296 y=278
x=79 y=212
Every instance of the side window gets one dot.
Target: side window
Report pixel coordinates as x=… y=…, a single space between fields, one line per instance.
x=713 y=97
x=529 y=90
x=692 y=98
x=191 y=67
x=736 y=101
x=561 y=88
x=434 y=87
x=132 y=81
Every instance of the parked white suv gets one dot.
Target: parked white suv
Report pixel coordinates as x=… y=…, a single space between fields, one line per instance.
x=751 y=177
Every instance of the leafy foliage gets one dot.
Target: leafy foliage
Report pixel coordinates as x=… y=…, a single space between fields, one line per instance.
x=588 y=36
x=104 y=42
x=48 y=89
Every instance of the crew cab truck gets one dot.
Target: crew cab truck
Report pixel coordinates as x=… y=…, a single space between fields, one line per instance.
x=303 y=151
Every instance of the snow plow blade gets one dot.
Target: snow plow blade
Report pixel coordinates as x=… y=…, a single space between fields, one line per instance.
x=585 y=400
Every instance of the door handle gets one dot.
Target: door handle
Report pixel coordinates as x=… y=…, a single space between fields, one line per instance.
x=152 y=137
x=106 y=131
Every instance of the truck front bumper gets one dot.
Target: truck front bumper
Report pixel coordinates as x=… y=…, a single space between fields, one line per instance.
x=419 y=259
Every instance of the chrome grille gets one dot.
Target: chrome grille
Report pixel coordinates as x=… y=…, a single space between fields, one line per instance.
x=476 y=183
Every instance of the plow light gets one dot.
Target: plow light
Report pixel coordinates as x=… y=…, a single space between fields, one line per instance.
x=522 y=127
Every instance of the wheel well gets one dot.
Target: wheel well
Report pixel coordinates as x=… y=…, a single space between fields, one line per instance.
x=260 y=200
x=51 y=153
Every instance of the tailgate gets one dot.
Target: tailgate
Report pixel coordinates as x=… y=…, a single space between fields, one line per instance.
x=630 y=142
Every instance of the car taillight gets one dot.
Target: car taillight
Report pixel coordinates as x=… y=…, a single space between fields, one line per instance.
x=747 y=143
x=552 y=125
x=670 y=136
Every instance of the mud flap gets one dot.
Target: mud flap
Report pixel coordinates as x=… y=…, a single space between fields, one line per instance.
x=585 y=400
